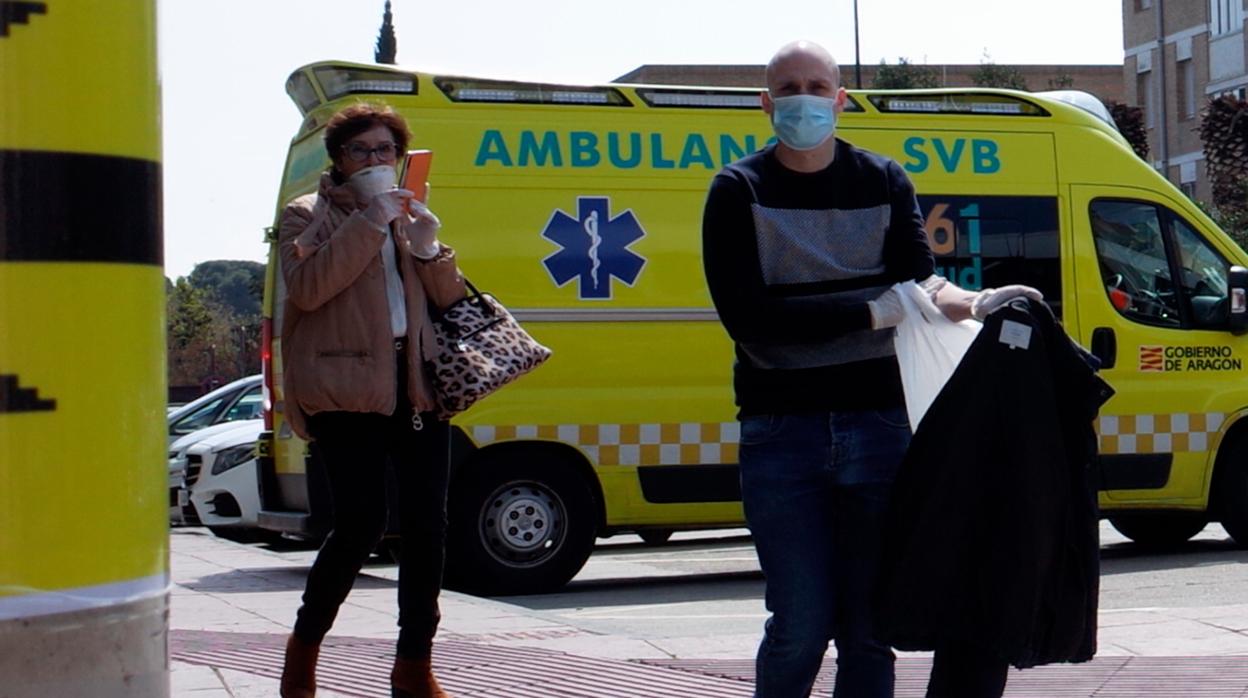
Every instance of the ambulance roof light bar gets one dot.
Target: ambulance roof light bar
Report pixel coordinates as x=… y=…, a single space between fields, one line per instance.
x=486 y=91
x=695 y=99
x=299 y=87
x=956 y=103
x=684 y=98
x=338 y=82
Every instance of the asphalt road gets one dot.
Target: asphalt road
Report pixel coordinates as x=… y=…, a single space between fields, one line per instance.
x=701 y=593
x=709 y=583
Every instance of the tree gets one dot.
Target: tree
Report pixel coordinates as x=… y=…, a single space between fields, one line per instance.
x=904 y=76
x=1224 y=131
x=387 y=44
x=1062 y=81
x=213 y=330
x=200 y=337
x=238 y=285
x=1130 y=123
x=990 y=74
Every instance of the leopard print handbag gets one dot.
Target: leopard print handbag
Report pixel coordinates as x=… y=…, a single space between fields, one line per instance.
x=480 y=348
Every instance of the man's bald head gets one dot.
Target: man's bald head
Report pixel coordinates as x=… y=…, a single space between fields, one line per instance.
x=803 y=58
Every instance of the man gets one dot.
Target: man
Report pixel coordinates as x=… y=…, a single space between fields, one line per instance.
x=802 y=243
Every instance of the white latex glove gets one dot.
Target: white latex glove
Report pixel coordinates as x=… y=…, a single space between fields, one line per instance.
x=886 y=311
x=932 y=285
x=991 y=300
x=387 y=206
x=421 y=230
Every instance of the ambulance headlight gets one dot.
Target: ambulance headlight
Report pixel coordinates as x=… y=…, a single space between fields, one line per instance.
x=232 y=458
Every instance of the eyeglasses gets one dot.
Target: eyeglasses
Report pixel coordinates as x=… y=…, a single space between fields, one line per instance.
x=358 y=152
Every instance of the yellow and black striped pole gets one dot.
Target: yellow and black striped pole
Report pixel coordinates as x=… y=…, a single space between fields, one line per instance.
x=84 y=559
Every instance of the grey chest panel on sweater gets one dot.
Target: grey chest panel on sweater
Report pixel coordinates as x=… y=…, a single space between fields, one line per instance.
x=798 y=246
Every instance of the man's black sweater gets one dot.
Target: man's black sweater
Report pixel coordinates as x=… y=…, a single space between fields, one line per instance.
x=791 y=260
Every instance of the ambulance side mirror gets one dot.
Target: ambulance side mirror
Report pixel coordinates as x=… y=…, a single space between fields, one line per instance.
x=1237 y=290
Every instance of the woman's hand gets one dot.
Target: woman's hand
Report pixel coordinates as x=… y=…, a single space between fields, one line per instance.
x=383 y=208
x=421 y=230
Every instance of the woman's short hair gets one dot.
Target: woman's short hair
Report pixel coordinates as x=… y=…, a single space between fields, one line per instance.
x=358 y=118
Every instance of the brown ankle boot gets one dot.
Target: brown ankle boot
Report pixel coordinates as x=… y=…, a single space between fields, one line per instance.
x=299 y=670
x=413 y=678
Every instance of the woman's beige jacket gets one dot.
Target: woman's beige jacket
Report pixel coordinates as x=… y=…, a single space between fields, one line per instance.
x=338 y=353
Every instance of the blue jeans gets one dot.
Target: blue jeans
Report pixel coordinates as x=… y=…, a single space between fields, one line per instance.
x=815 y=488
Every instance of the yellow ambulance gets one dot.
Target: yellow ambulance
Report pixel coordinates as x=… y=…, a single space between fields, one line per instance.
x=580 y=209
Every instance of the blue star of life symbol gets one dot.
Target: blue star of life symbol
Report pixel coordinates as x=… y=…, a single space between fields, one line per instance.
x=594 y=247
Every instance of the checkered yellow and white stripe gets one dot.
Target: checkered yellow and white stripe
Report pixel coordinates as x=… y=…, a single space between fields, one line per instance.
x=1159 y=433
x=688 y=443
x=695 y=443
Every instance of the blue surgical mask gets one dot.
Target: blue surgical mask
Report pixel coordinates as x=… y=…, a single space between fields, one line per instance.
x=804 y=122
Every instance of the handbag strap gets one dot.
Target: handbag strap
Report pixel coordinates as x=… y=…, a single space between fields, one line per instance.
x=477 y=298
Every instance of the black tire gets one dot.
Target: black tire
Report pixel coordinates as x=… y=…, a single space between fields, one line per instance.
x=552 y=512
x=1159 y=530
x=655 y=536
x=1229 y=498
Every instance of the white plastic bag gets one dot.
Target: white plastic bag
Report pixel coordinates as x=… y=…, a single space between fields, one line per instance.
x=929 y=347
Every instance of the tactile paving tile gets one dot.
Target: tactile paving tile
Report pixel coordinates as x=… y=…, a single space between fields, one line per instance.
x=1103 y=677
x=361 y=667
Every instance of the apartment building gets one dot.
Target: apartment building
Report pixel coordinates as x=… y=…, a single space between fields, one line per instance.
x=1178 y=54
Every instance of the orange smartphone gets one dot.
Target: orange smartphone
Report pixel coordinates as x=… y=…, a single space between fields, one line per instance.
x=416 y=173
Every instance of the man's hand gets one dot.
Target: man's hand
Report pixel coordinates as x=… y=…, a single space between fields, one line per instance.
x=954 y=302
x=991 y=300
x=886 y=310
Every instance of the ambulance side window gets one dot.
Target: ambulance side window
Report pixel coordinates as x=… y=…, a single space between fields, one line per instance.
x=1203 y=275
x=991 y=241
x=1142 y=249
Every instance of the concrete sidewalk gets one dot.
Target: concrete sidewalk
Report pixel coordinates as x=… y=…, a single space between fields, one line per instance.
x=232 y=606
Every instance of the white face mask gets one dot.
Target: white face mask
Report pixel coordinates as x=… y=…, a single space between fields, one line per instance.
x=371 y=181
x=803 y=122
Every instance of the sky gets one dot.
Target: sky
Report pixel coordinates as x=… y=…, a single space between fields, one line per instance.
x=227 y=120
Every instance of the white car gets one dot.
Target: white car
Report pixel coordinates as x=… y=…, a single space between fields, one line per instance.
x=180 y=510
x=232 y=402
x=221 y=486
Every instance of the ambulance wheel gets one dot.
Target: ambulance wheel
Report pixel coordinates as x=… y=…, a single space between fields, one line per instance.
x=518 y=528
x=1230 y=489
x=1159 y=530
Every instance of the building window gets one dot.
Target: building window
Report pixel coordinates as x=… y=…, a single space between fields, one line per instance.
x=1185 y=86
x=1187 y=179
x=1144 y=96
x=1141 y=5
x=1225 y=16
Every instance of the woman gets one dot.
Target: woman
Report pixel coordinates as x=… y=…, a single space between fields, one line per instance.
x=363 y=270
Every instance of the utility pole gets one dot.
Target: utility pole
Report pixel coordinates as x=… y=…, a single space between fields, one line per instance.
x=857 y=55
x=1163 y=132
